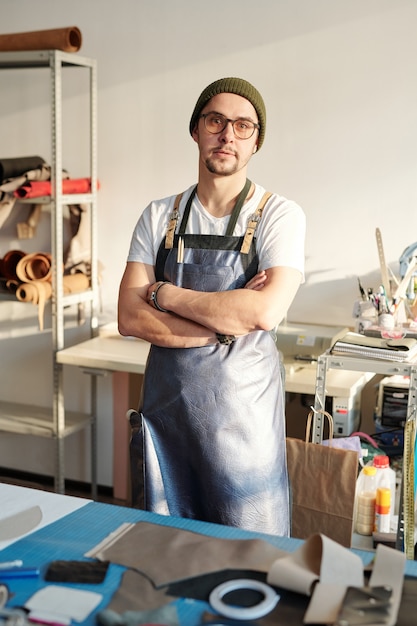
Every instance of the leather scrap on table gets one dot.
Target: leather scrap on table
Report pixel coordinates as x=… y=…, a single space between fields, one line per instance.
x=289 y=610
x=159 y=552
x=320 y=569
x=88 y=572
x=166 y=615
x=137 y=594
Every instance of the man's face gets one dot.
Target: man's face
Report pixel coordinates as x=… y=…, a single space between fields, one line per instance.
x=224 y=153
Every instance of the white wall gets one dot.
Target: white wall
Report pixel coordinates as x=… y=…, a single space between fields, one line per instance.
x=339 y=83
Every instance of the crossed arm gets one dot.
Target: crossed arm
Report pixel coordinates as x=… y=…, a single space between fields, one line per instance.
x=194 y=317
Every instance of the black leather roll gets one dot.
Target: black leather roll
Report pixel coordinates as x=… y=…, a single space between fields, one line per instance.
x=11 y=168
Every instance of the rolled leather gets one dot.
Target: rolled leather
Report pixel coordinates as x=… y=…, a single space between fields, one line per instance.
x=37 y=188
x=13 y=167
x=38 y=292
x=36 y=266
x=67 y=39
x=73 y=283
x=9 y=263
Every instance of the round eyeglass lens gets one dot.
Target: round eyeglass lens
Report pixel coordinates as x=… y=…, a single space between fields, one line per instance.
x=215 y=123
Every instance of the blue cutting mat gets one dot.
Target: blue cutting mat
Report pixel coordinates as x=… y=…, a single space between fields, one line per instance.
x=76 y=533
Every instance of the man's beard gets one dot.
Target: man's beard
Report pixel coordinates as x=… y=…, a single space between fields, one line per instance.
x=215 y=168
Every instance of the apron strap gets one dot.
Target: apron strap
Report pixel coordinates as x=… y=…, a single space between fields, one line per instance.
x=250 y=230
x=169 y=238
x=187 y=212
x=237 y=208
x=253 y=223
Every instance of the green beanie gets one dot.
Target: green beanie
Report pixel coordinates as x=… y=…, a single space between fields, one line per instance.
x=240 y=87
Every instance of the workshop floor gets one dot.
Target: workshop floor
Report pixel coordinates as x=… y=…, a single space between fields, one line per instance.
x=72 y=488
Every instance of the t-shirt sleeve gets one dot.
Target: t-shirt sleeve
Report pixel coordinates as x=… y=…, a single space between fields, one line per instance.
x=149 y=232
x=281 y=236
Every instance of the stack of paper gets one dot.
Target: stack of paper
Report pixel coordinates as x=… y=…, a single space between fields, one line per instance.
x=355 y=344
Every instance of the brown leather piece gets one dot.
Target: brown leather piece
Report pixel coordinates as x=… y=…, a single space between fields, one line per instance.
x=9 y=263
x=36 y=266
x=29 y=277
x=66 y=39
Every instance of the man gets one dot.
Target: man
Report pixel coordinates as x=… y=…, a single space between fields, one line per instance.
x=208 y=275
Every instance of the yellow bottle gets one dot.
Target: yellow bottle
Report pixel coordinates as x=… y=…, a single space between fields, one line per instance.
x=383 y=509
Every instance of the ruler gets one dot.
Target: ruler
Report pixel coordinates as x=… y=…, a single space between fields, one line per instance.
x=382 y=264
x=405 y=534
x=408 y=488
x=402 y=288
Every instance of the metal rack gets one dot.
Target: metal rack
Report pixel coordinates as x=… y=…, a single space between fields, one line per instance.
x=405 y=535
x=56 y=423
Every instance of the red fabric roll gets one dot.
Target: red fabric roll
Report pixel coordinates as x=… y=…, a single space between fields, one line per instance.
x=38 y=188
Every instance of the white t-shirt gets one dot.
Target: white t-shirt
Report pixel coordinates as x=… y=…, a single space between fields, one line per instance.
x=280 y=234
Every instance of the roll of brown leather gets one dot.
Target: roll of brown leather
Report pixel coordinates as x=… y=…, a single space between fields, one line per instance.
x=12 y=285
x=36 y=292
x=73 y=283
x=35 y=273
x=10 y=262
x=35 y=266
x=66 y=39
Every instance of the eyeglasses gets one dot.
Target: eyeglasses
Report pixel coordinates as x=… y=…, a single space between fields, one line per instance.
x=215 y=123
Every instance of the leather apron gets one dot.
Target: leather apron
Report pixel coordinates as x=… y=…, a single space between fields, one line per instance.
x=210 y=441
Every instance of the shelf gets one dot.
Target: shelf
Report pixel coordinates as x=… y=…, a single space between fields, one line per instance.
x=406 y=526
x=30 y=420
x=56 y=422
x=66 y=199
x=41 y=58
x=67 y=300
x=378 y=366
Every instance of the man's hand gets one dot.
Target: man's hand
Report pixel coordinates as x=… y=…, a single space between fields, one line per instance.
x=257 y=282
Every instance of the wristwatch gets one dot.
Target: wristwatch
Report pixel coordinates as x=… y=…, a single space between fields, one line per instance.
x=226 y=340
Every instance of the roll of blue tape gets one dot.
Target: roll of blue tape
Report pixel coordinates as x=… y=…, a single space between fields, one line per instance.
x=256 y=611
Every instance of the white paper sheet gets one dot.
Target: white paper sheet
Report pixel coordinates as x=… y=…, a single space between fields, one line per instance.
x=14 y=499
x=60 y=604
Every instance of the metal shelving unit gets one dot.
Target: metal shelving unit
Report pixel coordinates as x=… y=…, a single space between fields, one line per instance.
x=406 y=522
x=56 y=423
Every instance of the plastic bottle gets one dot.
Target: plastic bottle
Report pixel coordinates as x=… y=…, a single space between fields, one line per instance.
x=385 y=477
x=383 y=510
x=365 y=501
